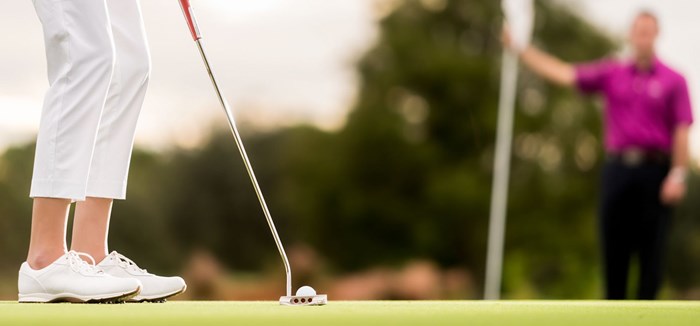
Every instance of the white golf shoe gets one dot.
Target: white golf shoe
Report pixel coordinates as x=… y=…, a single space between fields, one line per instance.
x=71 y=279
x=155 y=288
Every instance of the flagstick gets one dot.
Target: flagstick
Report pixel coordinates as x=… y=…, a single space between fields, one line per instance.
x=501 y=175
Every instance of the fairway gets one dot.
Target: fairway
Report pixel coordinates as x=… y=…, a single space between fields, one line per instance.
x=540 y=313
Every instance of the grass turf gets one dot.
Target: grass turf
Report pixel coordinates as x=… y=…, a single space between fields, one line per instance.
x=405 y=313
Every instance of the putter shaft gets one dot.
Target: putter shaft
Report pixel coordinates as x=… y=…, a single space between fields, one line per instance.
x=249 y=167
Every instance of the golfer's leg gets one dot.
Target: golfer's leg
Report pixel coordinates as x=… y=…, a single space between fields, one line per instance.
x=655 y=227
x=91 y=227
x=48 y=234
x=80 y=60
x=115 y=138
x=80 y=57
x=614 y=234
x=110 y=164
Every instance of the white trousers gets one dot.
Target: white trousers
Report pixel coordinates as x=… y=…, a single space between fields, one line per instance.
x=98 y=66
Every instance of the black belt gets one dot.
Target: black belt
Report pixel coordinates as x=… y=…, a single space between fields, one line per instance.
x=636 y=157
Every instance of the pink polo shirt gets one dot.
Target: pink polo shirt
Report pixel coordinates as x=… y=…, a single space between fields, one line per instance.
x=642 y=108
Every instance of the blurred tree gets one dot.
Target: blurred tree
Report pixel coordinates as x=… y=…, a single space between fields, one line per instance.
x=684 y=247
x=417 y=150
x=15 y=207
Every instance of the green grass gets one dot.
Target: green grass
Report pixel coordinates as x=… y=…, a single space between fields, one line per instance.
x=521 y=313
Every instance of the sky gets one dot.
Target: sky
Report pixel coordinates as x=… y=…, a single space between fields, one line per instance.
x=280 y=62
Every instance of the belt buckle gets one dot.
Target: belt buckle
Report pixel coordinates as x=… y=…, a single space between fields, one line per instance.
x=633 y=157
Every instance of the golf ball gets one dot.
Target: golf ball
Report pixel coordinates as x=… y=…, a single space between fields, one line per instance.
x=306 y=291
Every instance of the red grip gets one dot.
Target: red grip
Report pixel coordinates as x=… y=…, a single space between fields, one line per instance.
x=191 y=21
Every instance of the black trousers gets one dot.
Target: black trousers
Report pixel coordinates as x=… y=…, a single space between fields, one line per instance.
x=634 y=223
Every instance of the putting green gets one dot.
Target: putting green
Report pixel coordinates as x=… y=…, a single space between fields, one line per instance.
x=405 y=313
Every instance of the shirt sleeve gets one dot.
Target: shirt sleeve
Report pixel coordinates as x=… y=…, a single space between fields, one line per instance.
x=591 y=77
x=682 y=108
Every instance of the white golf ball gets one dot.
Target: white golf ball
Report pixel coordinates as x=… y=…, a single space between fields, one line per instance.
x=306 y=291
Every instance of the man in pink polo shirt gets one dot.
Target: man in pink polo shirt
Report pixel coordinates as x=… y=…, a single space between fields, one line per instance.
x=647 y=116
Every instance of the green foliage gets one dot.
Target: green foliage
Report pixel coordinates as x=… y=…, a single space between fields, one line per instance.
x=15 y=207
x=424 y=129
x=684 y=261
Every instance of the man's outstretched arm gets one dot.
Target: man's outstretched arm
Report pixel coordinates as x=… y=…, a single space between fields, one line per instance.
x=543 y=64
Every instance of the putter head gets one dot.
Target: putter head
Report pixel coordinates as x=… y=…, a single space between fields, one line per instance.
x=304 y=300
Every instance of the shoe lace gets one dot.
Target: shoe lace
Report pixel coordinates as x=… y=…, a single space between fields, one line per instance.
x=78 y=264
x=125 y=262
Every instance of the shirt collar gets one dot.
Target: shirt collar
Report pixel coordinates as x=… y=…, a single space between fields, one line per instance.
x=653 y=69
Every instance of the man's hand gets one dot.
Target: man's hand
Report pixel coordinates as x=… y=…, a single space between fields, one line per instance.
x=519 y=16
x=506 y=39
x=674 y=188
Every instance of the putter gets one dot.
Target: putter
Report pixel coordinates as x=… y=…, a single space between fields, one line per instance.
x=289 y=299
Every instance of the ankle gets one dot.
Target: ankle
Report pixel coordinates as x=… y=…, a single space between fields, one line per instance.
x=97 y=255
x=42 y=260
x=99 y=258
